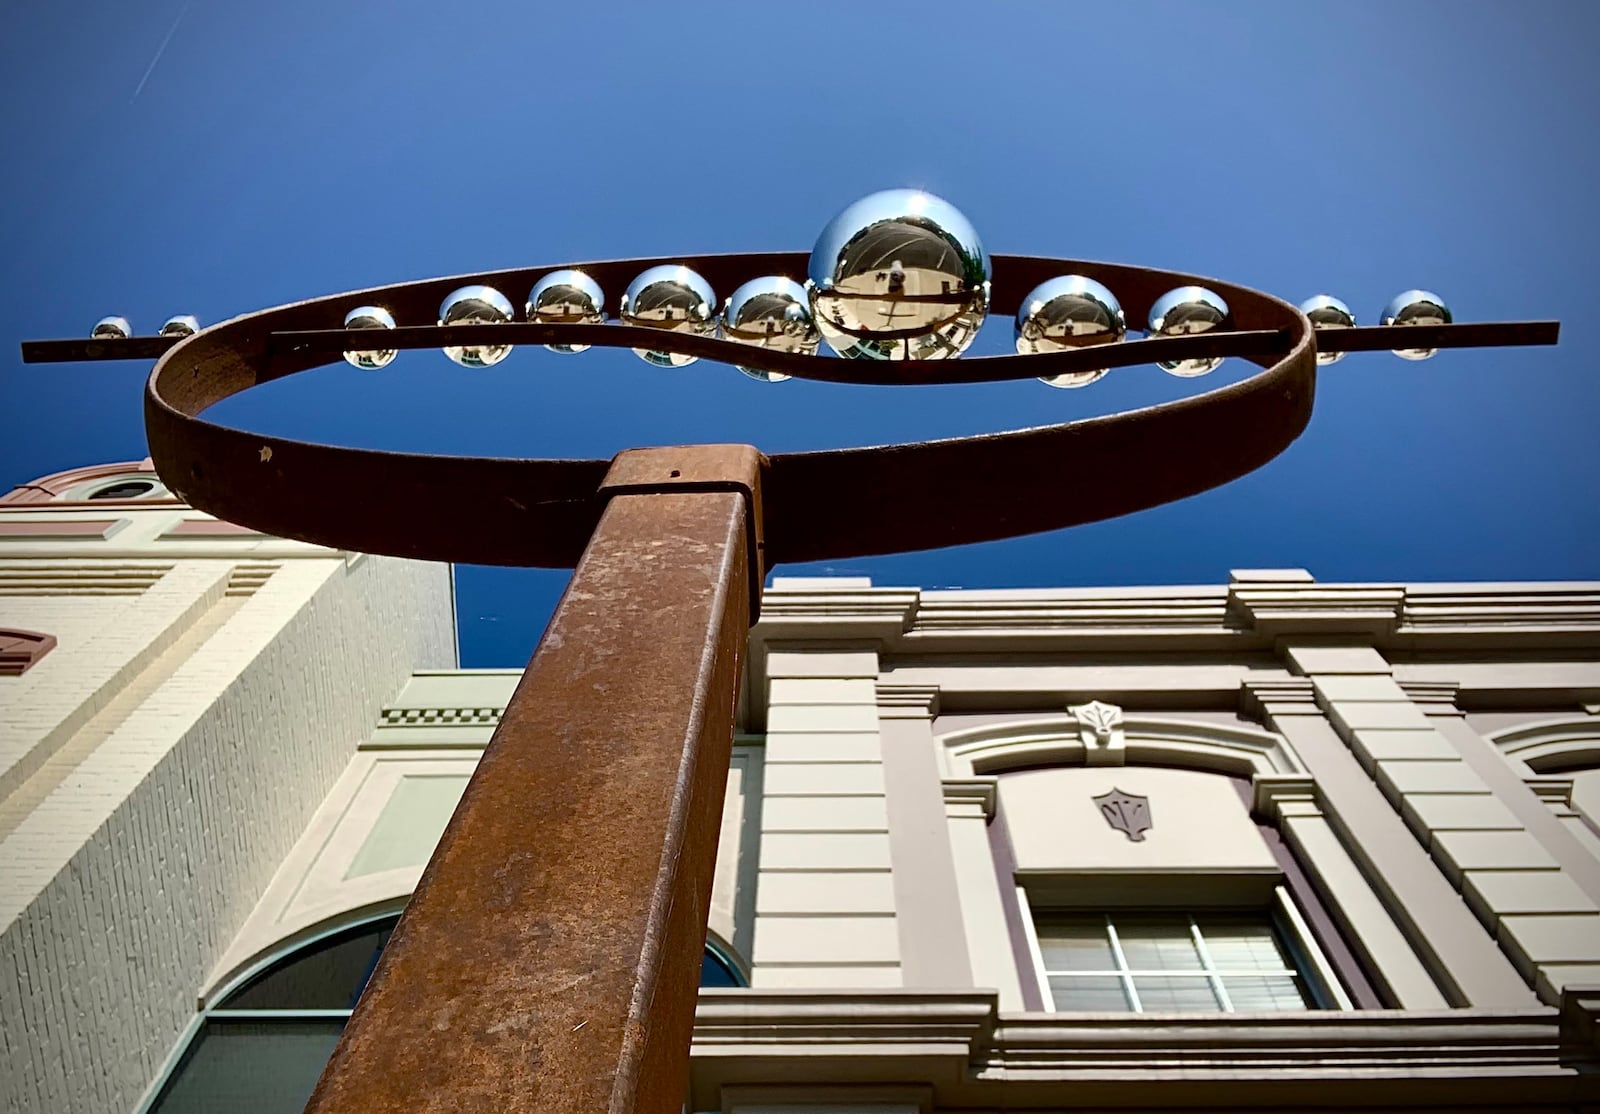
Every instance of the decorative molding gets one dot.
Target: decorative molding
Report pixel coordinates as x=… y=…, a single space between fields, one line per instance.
x=53 y=529
x=1128 y=813
x=980 y=791
x=1293 y=696
x=440 y=717
x=1437 y=698
x=1279 y=607
x=975 y=1058
x=896 y=701
x=1455 y=607
x=1274 y=796
x=1148 y=740
x=50 y=578
x=20 y=650
x=1100 y=729
x=1553 y=791
x=1552 y=745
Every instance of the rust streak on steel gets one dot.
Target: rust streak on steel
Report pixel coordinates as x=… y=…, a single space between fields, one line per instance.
x=549 y=959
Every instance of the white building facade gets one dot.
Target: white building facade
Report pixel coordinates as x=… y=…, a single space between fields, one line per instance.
x=1272 y=844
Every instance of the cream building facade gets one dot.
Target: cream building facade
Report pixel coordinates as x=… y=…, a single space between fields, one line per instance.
x=1272 y=844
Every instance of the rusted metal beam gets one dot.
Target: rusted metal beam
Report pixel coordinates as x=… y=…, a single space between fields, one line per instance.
x=549 y=959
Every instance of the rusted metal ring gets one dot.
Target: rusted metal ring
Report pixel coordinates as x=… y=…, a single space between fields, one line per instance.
x=831 y=504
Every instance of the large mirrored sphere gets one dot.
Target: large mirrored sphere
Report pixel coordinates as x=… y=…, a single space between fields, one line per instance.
x=567 y=297
x=181 y=325
x=674 y=298
x=111 y=328
x=370 y=317
x=899 y=275
x=476 y=305
x=1073 y=311
x=1327 y=312
x=1416 y=307
x=774 y=312
x=1181 y=312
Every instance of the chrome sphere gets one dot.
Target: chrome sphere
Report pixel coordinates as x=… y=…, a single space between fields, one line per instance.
x=771 y=312
x=899 y=275
x=567 y=297
x=1183 y=311
x=764 y=376
x=181 y=325
x=674 y=298
x=476 y=305
x=1073 y=311
x=370 y=317
x=1416 y=307
x=111 y=328
x=1327 y=312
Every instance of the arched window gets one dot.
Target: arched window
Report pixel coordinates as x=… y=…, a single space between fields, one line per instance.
x=263 y=1045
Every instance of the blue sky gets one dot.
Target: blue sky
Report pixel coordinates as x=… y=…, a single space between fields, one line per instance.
x=277 y=151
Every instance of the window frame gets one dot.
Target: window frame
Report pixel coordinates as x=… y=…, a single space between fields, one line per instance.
x=1312 y=965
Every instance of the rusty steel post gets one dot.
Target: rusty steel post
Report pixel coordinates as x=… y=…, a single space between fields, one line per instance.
x=550 y=958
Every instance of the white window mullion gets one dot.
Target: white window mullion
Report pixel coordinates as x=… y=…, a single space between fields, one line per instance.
x=1122 y=968
x=1210 y=966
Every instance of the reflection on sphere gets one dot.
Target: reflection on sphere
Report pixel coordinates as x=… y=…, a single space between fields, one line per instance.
x=899 y=275
x=1066 y=313
x=674 y=298
x=1324 y=311
x=370 y=317
x=1416 y=307
x=476 y=305
x=1183 y=312
x=567 y=297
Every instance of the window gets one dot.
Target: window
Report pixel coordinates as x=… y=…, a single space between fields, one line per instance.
x=263 y=1047
x=1169 y=962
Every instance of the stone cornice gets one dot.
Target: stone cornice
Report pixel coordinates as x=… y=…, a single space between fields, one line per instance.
x=896 y=701
x=1274 y=795
x=1437 y=698
x=974 y=1057
x=1283 y=696
x=1249 y=614
x=1273 y=609
x=980 y=791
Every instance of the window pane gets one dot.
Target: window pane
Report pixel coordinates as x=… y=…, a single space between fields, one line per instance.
x=264 y=1068
x=1075 y=944
x=1236 y=944
x=329 y=975
x=715 y=971
x=1259 y=993
x=1089 y=993
x=1176 y=993
x=1157 y=944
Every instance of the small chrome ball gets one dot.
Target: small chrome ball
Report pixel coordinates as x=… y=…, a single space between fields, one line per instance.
x=764 y=376
x=899 y=275
x=476 y=305
x=181 y=325
x=370 y=317
x=111 y=328
x=773 y=312
x=567 y=297
x=1182 y=312
x=1327 y=312
x=1416 y=307
x=1061 y=314
x=674 y=298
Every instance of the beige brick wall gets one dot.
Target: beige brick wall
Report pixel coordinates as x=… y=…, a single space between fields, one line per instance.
x=128 y=879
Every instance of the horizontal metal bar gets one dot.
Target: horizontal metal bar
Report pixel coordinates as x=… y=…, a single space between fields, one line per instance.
x=1472 y=334
x=76 y=350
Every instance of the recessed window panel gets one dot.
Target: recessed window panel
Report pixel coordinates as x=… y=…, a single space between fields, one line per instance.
x=1167 y=963
x=264 y=1067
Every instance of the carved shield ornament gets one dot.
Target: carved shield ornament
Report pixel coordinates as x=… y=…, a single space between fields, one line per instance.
x=1128 y=813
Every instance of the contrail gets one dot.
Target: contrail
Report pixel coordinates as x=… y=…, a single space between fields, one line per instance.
x=160 y=50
